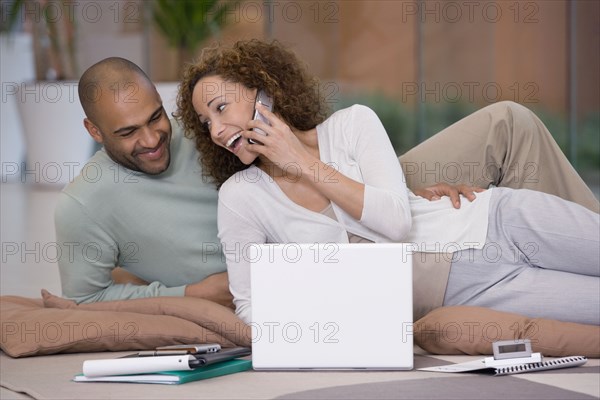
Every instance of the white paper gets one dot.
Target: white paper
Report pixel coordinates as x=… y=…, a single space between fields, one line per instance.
x=563 y=362
x=136 y=365
x=147 y=378
x=461 y=367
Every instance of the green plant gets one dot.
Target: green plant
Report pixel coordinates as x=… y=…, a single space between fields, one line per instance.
x=440 y=115
x=53 y=37
x=402 y=122
x=187 y=23
x=589 y=143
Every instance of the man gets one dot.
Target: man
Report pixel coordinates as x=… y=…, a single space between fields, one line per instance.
x=141 y=202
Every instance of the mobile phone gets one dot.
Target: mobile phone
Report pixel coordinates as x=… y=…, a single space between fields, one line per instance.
x=264 y=99
x=191 y=348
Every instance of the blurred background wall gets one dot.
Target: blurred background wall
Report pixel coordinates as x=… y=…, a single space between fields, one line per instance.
x=420 y=64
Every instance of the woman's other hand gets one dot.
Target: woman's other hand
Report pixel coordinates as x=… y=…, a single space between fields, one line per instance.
x=439 y=190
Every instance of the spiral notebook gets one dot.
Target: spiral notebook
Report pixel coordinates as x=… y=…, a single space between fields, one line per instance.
x=479 y=366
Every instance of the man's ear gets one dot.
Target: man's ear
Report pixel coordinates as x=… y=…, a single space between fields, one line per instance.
x=93 y=130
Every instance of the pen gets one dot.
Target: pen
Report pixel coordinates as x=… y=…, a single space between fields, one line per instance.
x=154 y=353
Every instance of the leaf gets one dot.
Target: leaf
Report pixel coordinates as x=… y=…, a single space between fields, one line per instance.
x=187 y=23
x=13 y=16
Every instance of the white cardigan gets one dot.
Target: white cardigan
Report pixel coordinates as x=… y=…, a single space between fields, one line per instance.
x=253 y=209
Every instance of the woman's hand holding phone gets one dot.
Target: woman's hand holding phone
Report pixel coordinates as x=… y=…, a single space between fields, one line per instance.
x=267 y=102
x=280 y=145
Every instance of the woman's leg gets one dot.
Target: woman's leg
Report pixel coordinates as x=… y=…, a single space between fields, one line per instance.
x=504 y=144
x=541 y=259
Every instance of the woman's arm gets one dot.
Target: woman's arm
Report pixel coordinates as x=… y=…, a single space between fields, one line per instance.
x=380 y=201
x=236 y=233
x=386 y=207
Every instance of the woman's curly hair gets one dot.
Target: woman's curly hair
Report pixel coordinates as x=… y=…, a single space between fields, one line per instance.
x=256 y=65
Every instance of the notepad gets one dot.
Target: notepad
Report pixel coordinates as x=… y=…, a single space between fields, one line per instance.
x=479 y=366
x=146 y=365
x=176 y=377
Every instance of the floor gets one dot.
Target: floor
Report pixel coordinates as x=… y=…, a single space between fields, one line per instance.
x=53 y=375
x=29 y=250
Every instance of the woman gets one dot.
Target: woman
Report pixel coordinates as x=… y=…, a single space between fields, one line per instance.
x=337 y=179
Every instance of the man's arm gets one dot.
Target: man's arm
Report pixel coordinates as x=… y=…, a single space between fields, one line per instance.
x=214 y=288
x=88 y=265
x=88 y=257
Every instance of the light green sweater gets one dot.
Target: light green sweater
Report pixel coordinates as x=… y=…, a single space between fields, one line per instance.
x=162 y=228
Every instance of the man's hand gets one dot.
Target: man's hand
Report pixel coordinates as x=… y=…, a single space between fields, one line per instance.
x=214 y=288
x=436 y=192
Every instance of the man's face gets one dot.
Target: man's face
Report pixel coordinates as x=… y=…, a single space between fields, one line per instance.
x=133 y=126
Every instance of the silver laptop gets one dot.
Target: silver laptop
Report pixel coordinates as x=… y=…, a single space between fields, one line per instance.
x=331 y=306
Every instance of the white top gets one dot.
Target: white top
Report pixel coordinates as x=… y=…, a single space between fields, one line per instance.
x=437 y=227
x=253 y=209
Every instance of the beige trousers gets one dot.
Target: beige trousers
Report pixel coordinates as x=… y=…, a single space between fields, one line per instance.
x=504 y=145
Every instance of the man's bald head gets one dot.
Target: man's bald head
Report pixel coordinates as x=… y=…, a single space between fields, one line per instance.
x=109 y=77
x=125 y=114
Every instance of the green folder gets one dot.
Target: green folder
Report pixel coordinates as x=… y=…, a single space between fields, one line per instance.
x=176 y=377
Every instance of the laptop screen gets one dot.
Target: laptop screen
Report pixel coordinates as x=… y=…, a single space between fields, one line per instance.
x=331 y=306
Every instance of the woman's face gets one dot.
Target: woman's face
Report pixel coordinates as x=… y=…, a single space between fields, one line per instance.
x=225 y=108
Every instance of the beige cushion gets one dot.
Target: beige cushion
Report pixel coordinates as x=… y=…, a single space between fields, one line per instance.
x=56 y=325
x=471 y=330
